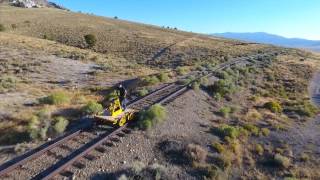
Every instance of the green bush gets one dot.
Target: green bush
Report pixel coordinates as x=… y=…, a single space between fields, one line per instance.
x=227 y=131
x=90 y=40
x=259 y=149
x=143 y=92
x=252 y=129
x=182 y=71
x=7 y=82
x=306 y=109
x=2 y=28
x=273 y=106
x=222 y=87
x=163 y=77
x=218 y=147
x=224 y=111
x=152 y=116
x=57 y=98
x=282 y=161
x=60 y=125
x=92 y=108
x=195 y=86
x=151 y=80
x=265 y=131
x=39 y=124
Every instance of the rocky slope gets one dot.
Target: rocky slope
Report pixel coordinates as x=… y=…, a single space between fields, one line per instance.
x=31 y=3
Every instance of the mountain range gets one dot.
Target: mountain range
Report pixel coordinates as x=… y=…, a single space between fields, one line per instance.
x=261 y=37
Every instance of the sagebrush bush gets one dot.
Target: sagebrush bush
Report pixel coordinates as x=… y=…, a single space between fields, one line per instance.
x=60 y=124
x=195 y=86
x=224 y=111
x=218 y=147
x=222 y=87
x=281 y=161
x=56 y=98
x=265 y=131
x=182 y=71
x=196 y=153
x=259 y=149
x=163 y=77
x=252 y=129
x=273 y=106
x=2 y=28
x=152 y=116
x=92 y=108
x=39 y=124
x=227 y=131
x=151 y=80
x=90 y=40
x=143 y=92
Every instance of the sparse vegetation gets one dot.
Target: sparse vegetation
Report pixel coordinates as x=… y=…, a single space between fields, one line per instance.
x=149 y=118
x=143 y=92
x=92 y=108
x=252 y=129
x=56 y=98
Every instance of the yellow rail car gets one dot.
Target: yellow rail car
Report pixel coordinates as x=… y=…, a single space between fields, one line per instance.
x=115 y=114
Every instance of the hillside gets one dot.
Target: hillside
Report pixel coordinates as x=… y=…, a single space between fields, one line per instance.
x=135 y=42
x=272 y=39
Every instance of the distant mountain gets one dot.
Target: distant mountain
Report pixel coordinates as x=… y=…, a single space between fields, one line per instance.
x=31 y=3
x=260 y=37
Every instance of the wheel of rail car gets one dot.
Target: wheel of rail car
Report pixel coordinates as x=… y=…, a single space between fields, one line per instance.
x=122 y=121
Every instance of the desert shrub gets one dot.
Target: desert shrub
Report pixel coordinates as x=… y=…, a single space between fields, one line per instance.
x=282 y=161
x=265 y=131
x=151 y=117
x=259 y=149
x=306 y=109
x=252 y=129
x=209 y=171
x=222 y=87
x=163 y=77
x=92 y=108
x=143 y=92
x=195 y=86
x=195 y=153
x=185 y=81
x=227 y=131
x=224 y=111
x=7 y=82
x=304 y=157
x=218 y=147
x=222 y=161
x=204 y=81
x=182 y=71
x=151 y=80
x=2 y=28
x=273 y=106
x=14 y=26
x=60 y=125
x=90 y=40
x=253 y=115
x=39 y=124
x=56 y=98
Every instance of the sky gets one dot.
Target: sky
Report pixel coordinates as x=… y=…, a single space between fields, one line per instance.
x=289 y=18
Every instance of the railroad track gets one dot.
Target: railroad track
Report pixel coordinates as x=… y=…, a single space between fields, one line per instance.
x=54 y=157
